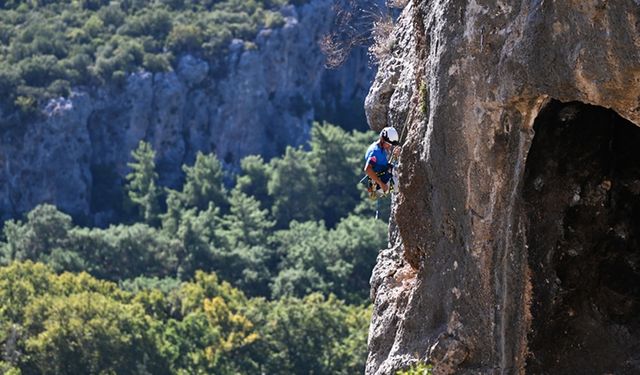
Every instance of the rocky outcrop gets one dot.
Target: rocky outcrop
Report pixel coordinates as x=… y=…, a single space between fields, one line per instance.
x=514 y=247
x=262 y=97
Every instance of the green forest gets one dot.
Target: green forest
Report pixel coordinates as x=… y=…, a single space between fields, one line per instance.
x=49 y=46
x=268 y=275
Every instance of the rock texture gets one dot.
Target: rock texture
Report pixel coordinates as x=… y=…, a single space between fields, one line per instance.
x=514 y=247
x=263 y=96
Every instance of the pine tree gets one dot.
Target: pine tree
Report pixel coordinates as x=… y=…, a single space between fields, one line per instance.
x=246 y=223
x=337 y=167
x=254 y=178
x=294 y=188
x=204 y=184
x=142 y=186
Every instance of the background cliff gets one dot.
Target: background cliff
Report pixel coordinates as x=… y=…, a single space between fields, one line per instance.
x=514 y=247
x=261 y=96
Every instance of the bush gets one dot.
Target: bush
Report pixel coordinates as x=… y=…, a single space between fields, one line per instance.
x=184 y=38
x=418 y=369
x=273 y=20
x=112 y=15
x=92 y=4
x=173 y=4
x=154 y=22
x=119 y=55
x=9 y=79
x=94 y=26
x=77 y=68
x=26 y=104
x=119 y=78
x=39 y=36
x=40 y=70
x=156 y=63
x=59 y=87
x=383 y=42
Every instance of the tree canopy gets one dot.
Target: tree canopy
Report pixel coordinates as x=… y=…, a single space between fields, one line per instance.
x=73 y=323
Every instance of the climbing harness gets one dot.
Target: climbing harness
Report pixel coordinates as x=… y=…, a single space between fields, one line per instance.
x=373 y=189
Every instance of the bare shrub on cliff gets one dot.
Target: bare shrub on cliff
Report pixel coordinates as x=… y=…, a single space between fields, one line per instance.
x=397 y=4
x=382 y=45
x=356 y=26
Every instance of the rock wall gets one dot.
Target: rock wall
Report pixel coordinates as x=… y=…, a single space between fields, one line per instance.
x=478 y=265
x=263 y=96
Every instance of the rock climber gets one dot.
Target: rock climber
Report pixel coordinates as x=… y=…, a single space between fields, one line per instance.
x=378 y=162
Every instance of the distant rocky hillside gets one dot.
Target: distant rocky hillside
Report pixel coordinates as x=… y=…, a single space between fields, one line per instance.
x=265 y=95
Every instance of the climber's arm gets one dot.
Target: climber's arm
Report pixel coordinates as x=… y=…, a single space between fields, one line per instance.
x=368 y=169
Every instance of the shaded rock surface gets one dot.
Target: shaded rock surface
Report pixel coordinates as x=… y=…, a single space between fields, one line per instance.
x=516 y=210
x=261 y=98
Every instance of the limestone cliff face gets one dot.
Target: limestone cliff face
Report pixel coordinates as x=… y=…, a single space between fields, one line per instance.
x=514 y=246
x=262 y=97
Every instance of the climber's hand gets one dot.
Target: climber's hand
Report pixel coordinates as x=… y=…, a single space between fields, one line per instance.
x=396 y=151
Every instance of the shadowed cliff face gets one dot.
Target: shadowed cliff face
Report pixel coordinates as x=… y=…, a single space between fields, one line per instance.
x=513 y=247
x=255 y=100
x=582 y=199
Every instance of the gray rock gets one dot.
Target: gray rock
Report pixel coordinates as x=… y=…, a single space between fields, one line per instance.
x=464 y=85
x=192 y=71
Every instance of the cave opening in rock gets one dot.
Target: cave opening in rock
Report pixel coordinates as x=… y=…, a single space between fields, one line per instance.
x=581 y=198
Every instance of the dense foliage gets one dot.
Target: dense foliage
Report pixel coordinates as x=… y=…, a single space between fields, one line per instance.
x=75 y=324
x=47 y=47
x=269 y=275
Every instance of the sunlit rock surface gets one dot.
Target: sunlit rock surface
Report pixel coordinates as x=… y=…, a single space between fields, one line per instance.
x=515 y=243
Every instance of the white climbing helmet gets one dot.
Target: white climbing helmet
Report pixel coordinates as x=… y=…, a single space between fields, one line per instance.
x=390 y=135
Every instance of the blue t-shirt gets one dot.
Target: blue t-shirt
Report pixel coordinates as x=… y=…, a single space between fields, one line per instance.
x=376 y=157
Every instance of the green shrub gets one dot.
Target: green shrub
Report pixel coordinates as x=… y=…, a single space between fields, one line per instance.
x=418 y=369
x=112 y=15
x=154 y=22
x=120 y=54
x=78 y=35
x=156 y=63
x=273 y=20
x=9 y=78
x=250 y=46
x=219 y=39
x=26 y=104
x=94 y=26
x=184 y=38
x=119 y=78
x=39 y=70
x=173 y=4
x=151 y=45
x=59 y=87
x=76 y=68
x=6 y=33
x=92 y=4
